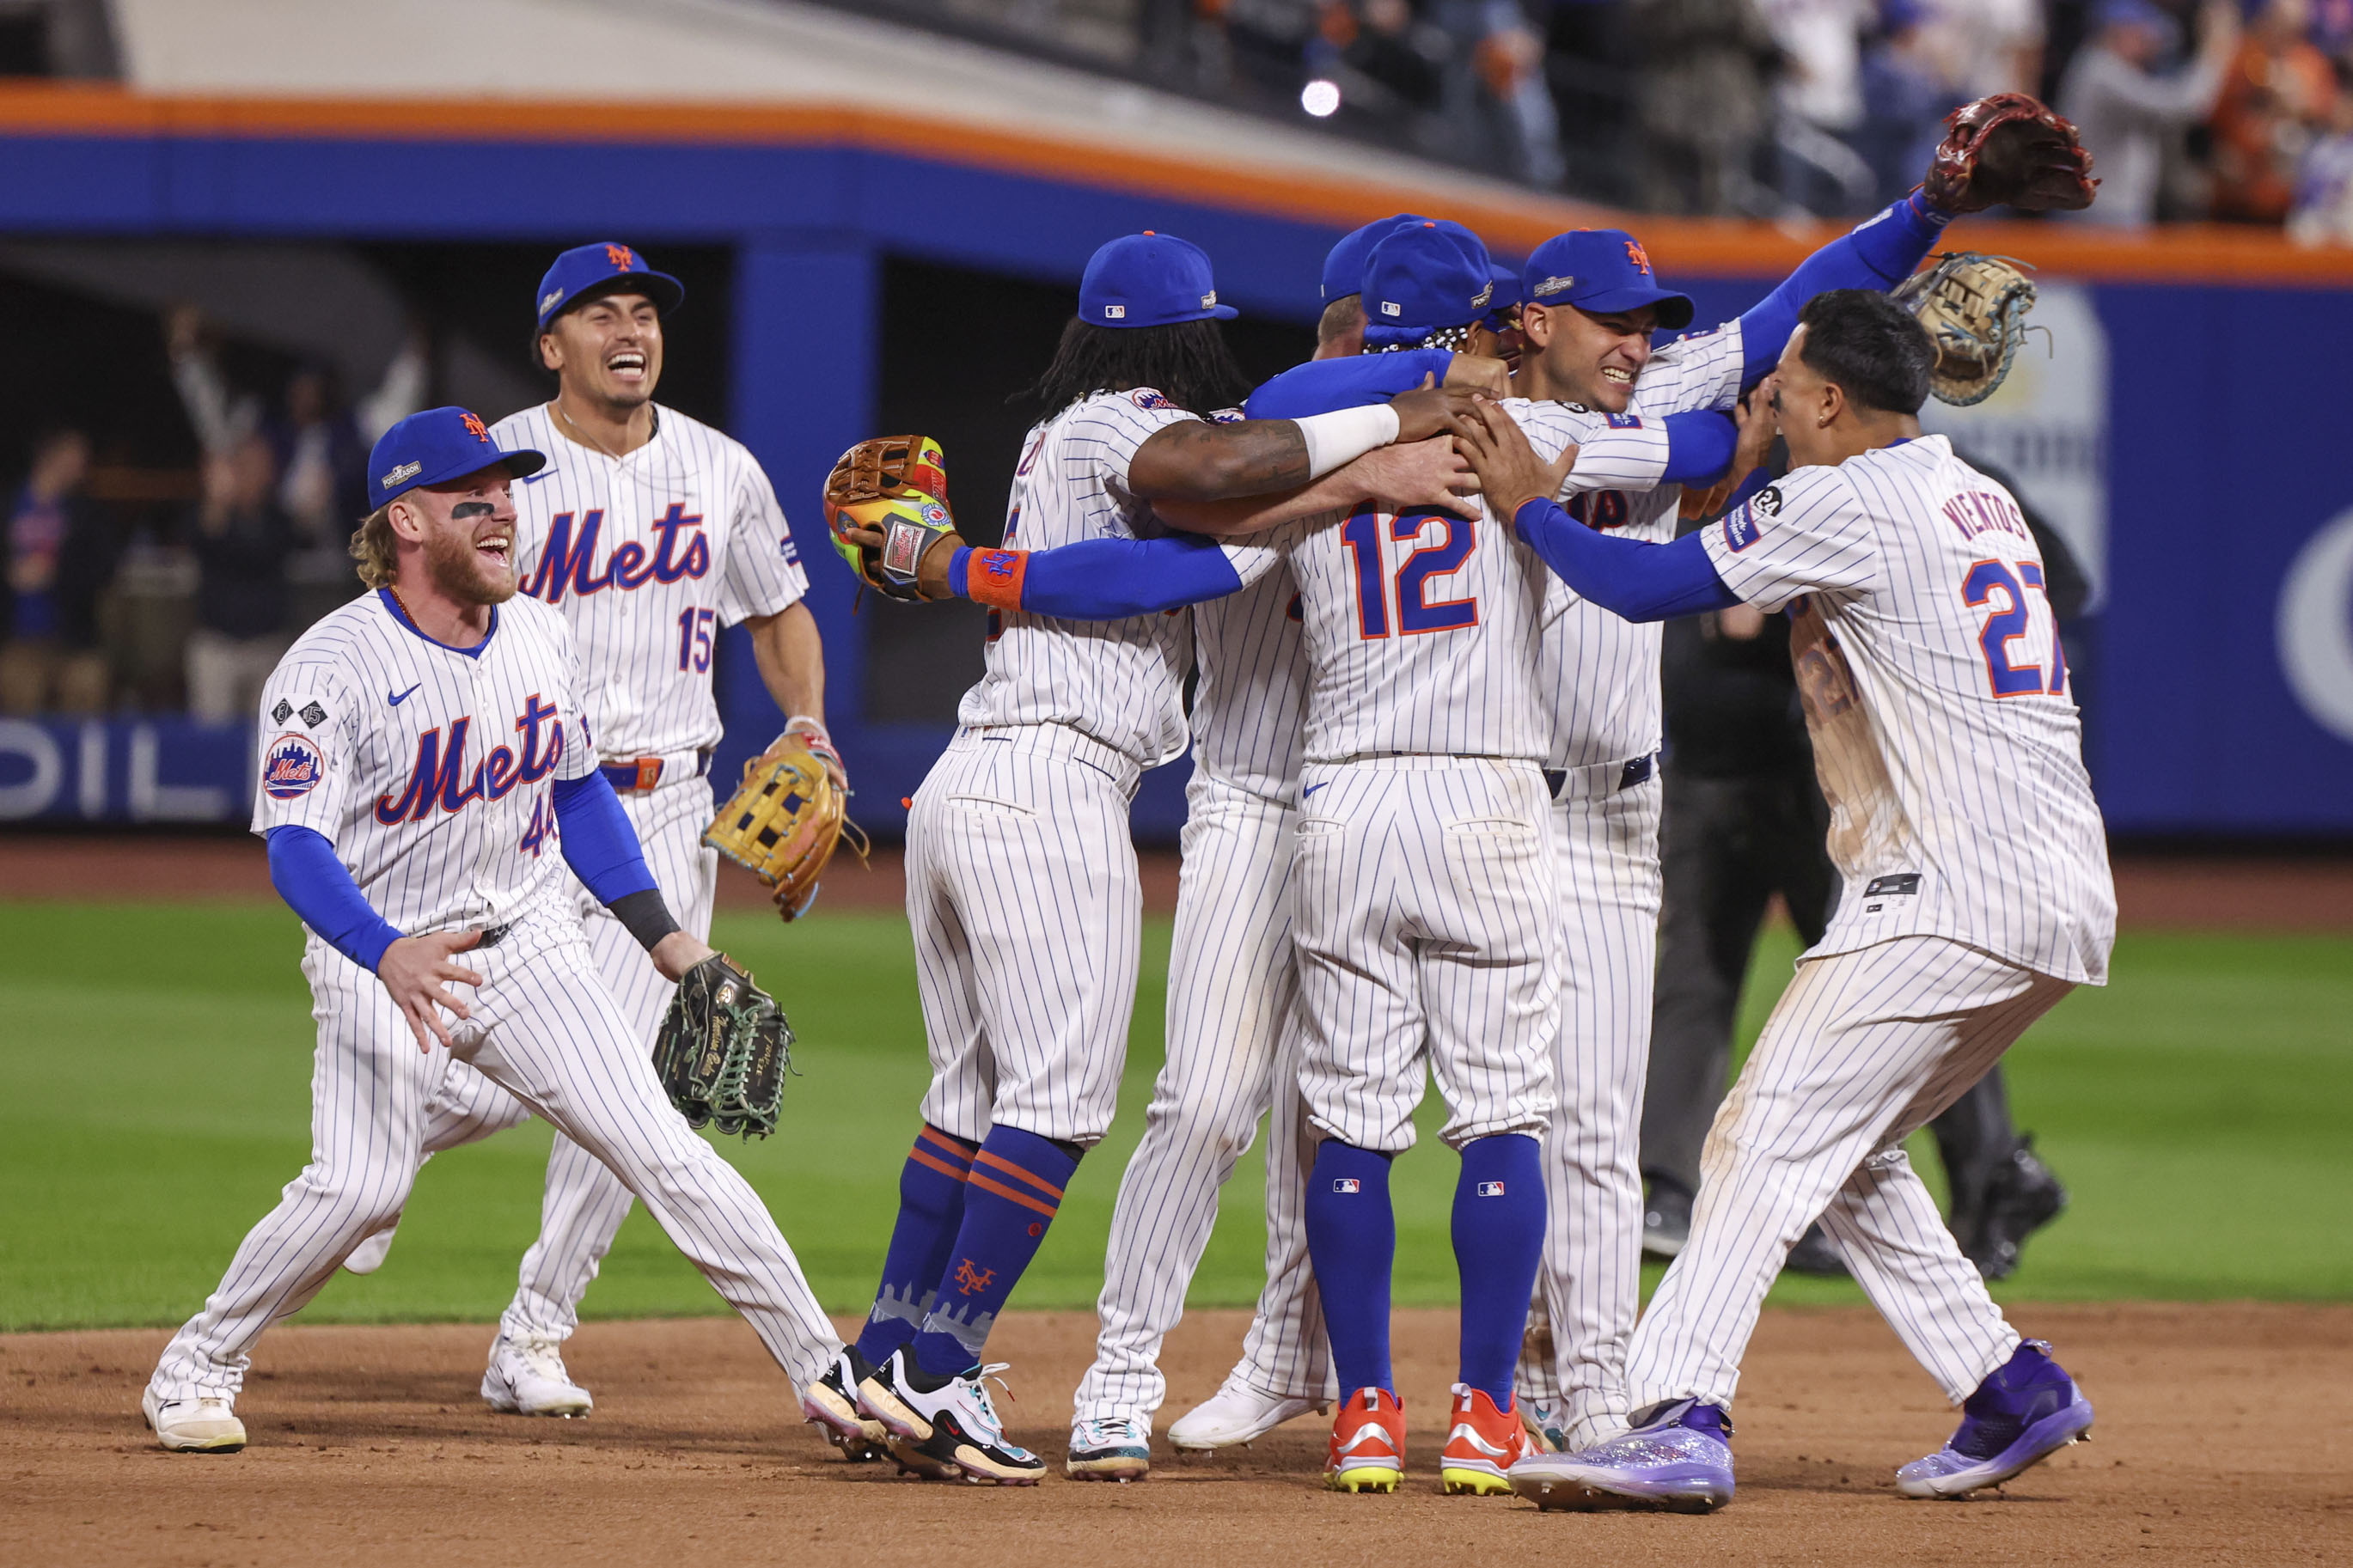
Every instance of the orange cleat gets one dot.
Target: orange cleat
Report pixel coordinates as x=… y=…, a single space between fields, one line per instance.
x=1367 y=1452
x=1483 y=1443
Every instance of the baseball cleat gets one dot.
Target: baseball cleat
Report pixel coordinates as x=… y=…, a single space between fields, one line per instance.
x=1546 y=1423
x=1236 y=1414
x=2026 y=1412
x=202 y=1426
x=526 y=1377
x=1367 y=1452
x=2022 y=1197
x=1483 y=1443
x=946 y=1427
x=830 y=1403
x=1119 y=1449
x=1677 y=1457
x=369 y=1255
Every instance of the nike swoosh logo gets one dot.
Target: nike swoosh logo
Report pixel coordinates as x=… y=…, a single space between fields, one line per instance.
x=404 y=696
x=534 y=479
x=1311 y=789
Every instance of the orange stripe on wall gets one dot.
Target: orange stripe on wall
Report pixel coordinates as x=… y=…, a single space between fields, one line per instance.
x=1683 y=247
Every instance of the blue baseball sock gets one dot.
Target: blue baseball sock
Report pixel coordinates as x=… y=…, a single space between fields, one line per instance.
x=1352 y=1240
x=931 y=1206
x=1010 y=1198
x=1499 y=1223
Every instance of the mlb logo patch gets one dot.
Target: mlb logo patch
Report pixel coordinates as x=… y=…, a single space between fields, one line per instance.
x=292 y=767
x=1346 y=1184
x=1491 y=1189
x=1115 y=312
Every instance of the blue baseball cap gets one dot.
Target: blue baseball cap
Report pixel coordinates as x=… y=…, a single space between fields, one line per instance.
x=1149 y=279
x=1425 y=277
x=586 y=267
x=1343 y=263
x=1507 y=290
x=436 y=446
x=1599 y=270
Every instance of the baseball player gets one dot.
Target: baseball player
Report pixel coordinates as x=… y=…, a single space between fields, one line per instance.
x=650 y=531
x=1976 y=894
x=425 y=770
x=1021 y=881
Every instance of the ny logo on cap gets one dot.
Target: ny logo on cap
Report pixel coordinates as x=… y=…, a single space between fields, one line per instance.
x=473 y=424
x=1637 y=256
x=621 y=257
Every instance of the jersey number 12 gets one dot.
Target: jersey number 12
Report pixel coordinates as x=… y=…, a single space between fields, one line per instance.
x=1415 y=610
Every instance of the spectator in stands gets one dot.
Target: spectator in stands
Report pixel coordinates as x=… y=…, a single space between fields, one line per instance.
x=2324 y=187
x=1589 y=61
x=60 y=559
x=2127 y=110
x=1495 y=89
x=1906 y=96
x=2276 y=99
x=241 y=538
x=1701 y=107
x=1984 y=46
x=1820 y=98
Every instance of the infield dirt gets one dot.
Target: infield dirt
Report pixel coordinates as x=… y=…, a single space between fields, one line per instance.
x=2222 y=1438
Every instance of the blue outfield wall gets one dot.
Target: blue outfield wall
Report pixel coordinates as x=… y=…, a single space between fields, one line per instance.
x=2224 y=699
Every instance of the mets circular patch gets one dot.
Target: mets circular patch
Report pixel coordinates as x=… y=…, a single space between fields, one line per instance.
x=291 y=767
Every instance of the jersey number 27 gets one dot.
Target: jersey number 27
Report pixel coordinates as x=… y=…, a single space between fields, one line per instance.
x=1415 y=610
x=1993 y=584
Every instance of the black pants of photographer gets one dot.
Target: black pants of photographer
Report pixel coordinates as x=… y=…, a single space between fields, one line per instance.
x=1728 y=846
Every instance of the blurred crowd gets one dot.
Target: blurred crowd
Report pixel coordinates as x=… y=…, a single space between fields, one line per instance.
x=2230 y=109
x=142 y=595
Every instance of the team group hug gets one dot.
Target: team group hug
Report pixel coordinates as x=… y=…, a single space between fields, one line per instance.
x=1414 y=589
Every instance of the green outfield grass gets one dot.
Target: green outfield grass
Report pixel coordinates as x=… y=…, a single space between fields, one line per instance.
x=155 y=1070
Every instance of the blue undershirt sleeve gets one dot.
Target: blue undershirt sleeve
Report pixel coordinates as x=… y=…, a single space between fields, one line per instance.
x=1879 y=253
x=1638 y=581
x=599 y=845
x=1110 y=579
x=1699 y=447
x=304 y=869
x=1354 y=381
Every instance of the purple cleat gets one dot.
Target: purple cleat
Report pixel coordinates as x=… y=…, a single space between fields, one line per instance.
x=2026 y=1411
x=1677 y=1457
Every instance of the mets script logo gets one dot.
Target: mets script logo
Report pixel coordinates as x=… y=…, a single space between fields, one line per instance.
x=971 y=1279
x=623 y=258
x=291 y=767
x=473 y=424
x=1639 y=256
x=570 y=562
x=438 y=780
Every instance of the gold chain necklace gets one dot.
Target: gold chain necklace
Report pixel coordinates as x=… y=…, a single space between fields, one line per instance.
x=585 y=438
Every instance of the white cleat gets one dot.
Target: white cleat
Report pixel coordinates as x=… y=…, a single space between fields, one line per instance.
x=369 y=1255
x=206 y=1426
x=526 y=1377
x=1236 y=1414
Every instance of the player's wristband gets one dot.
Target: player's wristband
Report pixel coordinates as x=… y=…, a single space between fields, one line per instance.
x=991 y=577
x=644 y=916
x=1345 y=434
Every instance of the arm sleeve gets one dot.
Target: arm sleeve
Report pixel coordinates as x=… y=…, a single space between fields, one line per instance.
x=1321 y=385
x=1638 y=581
x=1699 y=447
x=599 y=845
x=1098 y=579
x=1806 y=533
x=762 y=573
x=1879 y=253
x=316 y=887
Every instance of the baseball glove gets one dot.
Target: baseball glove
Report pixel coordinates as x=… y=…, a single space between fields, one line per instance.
x=2011 y=150
x=724 y=1049
x=1974 y=308
x=897 y=485
x=784 y=823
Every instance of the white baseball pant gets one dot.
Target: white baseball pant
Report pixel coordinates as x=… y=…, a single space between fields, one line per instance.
x=546 y=1032
x=1027 y=908
x=1426 y=922
x=1863 y=1049
x=1229 y=1062
x=1607 y=841
x=585 y=1202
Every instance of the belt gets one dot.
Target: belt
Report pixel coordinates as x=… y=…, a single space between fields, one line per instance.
x=1600 y=778
x=495 y=935
x=637 y=776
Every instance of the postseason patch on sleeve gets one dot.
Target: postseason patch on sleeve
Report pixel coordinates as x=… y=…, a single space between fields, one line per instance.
x=1623 y=421
x=292 y=767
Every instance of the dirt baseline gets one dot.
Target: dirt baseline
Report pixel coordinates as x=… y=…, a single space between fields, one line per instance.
x=2221 y=1438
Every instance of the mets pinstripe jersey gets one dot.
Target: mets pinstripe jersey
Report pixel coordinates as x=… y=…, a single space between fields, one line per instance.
x=1937 y=692
x=648 y=555
x=1121 y=682
x=430 y=768
x=1379 y=592
x=1250 y=699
